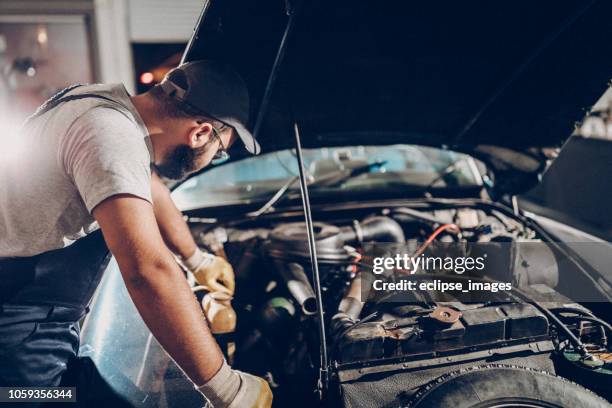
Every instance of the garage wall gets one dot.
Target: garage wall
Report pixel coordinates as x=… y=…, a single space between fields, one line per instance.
x=113 y=42
x=162 y=20
x=36 y=8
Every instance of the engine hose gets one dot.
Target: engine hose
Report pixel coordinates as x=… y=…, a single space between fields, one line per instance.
x=560 y=325
x=352 y=302
x=377 y=228
x=372 y=228
x=572 y=338
x=299 y=286
x=350 y=307
x=415 y=215
x=584 y=315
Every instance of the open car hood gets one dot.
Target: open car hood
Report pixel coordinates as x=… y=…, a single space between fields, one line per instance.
x=502 y=81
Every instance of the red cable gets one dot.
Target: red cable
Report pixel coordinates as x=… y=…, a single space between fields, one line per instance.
x=453 y=227
x=446 y=227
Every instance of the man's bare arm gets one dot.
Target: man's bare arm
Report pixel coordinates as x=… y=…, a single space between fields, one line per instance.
x=157 y=286
x=170 y=220
x=212 y=271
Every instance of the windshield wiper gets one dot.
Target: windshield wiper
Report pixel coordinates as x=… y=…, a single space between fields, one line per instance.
x=333 y=179
x=448 y=170
x=275 y=198
x=337 y=178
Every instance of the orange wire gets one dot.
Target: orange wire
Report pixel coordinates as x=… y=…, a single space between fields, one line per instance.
x=453 y=227
x=446 y=227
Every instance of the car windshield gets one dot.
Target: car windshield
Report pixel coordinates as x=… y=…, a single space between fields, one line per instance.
x=387 y=167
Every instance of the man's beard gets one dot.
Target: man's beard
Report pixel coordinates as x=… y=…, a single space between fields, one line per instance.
x=179 y=162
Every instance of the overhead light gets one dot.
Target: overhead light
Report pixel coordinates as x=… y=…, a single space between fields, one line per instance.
x=42 y=37
x=147 y=78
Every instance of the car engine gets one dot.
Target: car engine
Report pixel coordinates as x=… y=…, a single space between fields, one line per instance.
x=383 y=352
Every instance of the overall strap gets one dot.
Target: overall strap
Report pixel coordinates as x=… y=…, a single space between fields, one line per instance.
x=60 y=98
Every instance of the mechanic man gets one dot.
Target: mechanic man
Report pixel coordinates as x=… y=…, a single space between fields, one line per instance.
x=86 y=162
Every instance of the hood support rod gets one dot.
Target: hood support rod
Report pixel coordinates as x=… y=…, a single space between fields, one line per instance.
x=323 y=370
x=280 y=55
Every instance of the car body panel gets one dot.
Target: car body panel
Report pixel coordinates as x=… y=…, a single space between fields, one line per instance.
x=125 y=353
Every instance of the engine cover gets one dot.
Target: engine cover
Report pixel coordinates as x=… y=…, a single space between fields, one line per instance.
x=421 y=332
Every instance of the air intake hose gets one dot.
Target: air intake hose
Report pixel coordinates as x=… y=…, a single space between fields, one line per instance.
x=377 y=228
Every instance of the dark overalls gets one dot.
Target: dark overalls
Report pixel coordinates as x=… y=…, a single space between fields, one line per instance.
x=42 y=299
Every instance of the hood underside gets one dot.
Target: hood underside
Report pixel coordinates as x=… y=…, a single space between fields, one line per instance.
x=503 y=81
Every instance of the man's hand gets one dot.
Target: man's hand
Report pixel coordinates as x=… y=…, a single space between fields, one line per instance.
x=211 y=271
x=235 y=389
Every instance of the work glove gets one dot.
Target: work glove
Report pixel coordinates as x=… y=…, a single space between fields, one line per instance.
x=211 y=271
x=234 y=389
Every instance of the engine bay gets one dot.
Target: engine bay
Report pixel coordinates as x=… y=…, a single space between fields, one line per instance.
x=402 y=345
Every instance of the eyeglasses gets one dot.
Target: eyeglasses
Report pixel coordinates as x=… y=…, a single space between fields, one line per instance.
x=221 y=154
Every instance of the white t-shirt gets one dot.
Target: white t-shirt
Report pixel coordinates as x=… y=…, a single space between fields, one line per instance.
x=71 y=159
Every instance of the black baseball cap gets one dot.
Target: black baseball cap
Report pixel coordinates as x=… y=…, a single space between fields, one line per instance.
x=214 y=89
